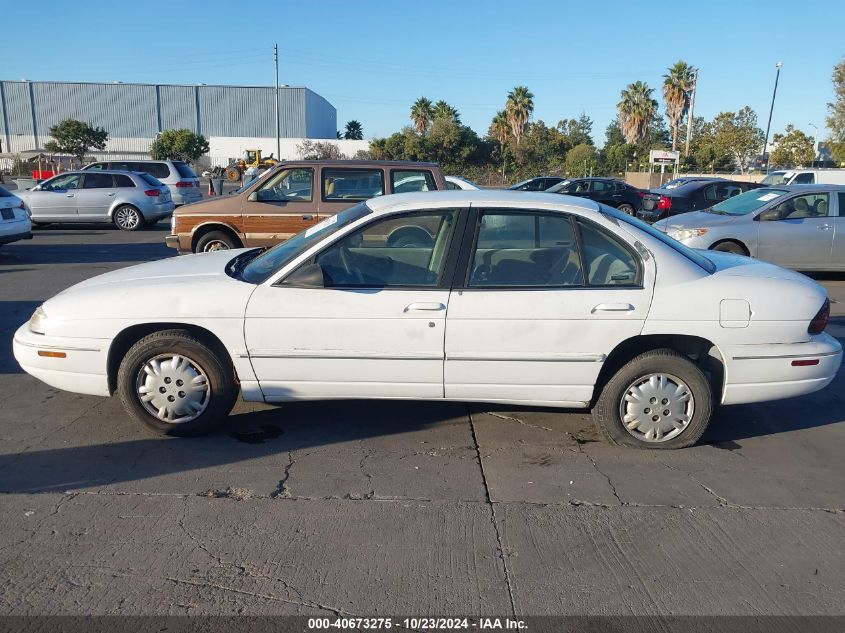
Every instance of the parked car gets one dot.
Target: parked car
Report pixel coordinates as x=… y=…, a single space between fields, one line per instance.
x=797 y=226
x=682 y=180
x=805 y=177
x=180 y=179
x=127 y=200
x=456 y=182
x=614 y=193
x=540 y=183
x=520 y=298
x=14 y=218
x=291 y=197
x=692 y=196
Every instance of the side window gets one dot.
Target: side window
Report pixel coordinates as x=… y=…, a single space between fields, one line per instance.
x=842 y=205
x=525 y=250
x=804 y=179
x=405 y=181
x=62 y=183
x=95 y=167
x=813 y=205
x=97 y=181
x=403 y=251
x=158 y=170
x=607 y=260
x=582 y=186
x=710 y=194
x=600 y=186
x=123 y=166
x=451 y=185
x=122 y=180
x=293 y=185
x=352 y=184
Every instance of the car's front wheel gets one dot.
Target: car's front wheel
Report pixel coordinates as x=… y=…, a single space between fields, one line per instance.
x=176 y=384
x=660 y=399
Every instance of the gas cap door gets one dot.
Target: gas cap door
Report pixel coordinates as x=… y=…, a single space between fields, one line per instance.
x=734 y=313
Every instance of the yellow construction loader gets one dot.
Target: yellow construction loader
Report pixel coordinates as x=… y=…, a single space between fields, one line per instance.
x=252 y=158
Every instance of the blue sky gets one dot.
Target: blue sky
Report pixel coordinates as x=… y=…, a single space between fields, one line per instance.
x=372 y=58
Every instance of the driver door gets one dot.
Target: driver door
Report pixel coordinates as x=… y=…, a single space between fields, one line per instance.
x=282 y=206
x=798 y=232
x=375 y=327
x=55 y=200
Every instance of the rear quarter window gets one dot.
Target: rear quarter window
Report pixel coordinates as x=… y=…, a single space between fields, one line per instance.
x=184 y=169
x=159 y=170
x=150 y=180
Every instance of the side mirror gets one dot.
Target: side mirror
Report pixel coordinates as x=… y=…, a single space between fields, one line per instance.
x=309 y=276
x=253 y=197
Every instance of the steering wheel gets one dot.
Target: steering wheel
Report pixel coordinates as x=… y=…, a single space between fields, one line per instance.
x=353 y=272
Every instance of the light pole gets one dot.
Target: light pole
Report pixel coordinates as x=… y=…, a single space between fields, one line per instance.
x=779 y=65
x=815 y=140
x=278 y=135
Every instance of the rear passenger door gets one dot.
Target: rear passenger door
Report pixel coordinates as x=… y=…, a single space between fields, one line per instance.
x=543 y=298
x=282 y=206
x=95 y=198
x=603 y=191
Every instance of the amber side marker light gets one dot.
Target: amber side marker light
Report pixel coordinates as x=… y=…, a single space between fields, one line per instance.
x=47 y=354
x=805 y=363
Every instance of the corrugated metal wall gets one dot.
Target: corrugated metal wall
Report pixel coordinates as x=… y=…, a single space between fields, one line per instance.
x=139 y=111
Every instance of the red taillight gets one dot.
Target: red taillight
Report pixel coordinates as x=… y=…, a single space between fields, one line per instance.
x=819 y=322
x=22 y=206
x=182 y=184
x=664 y=203
x=809 y=362
x=641 y=194
x=152 y=193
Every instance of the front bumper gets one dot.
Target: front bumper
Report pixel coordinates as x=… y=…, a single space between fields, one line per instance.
x=83 y=369
x=758 y=373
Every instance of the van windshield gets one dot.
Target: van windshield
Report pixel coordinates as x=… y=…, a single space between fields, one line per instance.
x=778 y=178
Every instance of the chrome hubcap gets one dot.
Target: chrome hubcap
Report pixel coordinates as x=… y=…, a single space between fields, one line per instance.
x=127 y=218
x=173 y=388
x=657 y=407
x=216 y=245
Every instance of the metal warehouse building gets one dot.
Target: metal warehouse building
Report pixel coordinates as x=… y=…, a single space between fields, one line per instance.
x=231 y=117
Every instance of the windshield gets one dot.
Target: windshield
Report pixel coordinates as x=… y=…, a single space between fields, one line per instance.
x=675 y=245
x=556 y=188
x=261 y=268
x=747 y=202
x=778 y=178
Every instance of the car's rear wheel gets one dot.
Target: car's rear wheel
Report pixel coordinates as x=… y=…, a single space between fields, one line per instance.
x=216 y=241
x=626 y=208
x=176 y=384
x=127 y=218
x=660 y=399
x=730 y=247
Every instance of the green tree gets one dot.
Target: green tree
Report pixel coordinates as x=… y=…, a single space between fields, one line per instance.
x=500 y=131
x=76 y=138
x=443 y=110
x=577 y=131
x=354 y=130
x=836 y=113
x=422 y=113
x=580 y=160
x=793 y=148
x=737 y=134
x=636 y=110
x=677 y=86
x=182 y=144
x=519 y=107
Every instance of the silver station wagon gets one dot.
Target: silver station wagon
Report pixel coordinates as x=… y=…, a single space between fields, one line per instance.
x=126 y=199
x=797 y=226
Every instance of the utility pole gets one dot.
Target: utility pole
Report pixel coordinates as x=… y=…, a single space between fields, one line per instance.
x=779 y=65
x=691 y=117
x=278 y=132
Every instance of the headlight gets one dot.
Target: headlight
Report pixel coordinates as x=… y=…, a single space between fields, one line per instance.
x=38 y=321
x=686 y=234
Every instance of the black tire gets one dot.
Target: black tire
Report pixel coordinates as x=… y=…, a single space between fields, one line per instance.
x=410 y=238
x=216 y=241
x=213 y=363
x=729 y=247
x=607 y=411
x=127 y=218
x=625 y=208
x=151 y=222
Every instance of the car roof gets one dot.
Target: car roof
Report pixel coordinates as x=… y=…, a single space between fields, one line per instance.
x=479 y=198
x=88 y=172
x=820 y=186
x=360 y=163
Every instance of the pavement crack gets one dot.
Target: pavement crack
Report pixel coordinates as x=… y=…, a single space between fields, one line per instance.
x=517 y=420
x=586 y=454
x=499 y=544
x=283 y=490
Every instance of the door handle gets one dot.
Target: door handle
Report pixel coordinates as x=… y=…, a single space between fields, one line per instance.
x=111 y=194
x=69 y=195
x=613 y=307
x=425 y=307
x=308 y=216
x=825 y=227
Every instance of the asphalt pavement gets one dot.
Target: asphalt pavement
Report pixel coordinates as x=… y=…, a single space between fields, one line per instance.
x=380 y=508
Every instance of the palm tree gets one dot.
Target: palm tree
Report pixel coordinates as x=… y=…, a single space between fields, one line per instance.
x=354 y=130
x=443 y=110
x=519 y=106
x=421 y=114
x=677 y=85
x=500 y=129
x=636 y=111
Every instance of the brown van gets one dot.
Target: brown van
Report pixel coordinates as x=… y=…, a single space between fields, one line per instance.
x=290 y=197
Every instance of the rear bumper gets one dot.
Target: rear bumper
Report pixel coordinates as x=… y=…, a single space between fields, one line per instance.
x=82 y=370
x=180 y=198
x=758 y=373
x=8 y=238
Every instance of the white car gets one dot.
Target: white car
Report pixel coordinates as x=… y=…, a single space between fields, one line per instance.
x=14 y=218
x=519 y=298
x=456 y=182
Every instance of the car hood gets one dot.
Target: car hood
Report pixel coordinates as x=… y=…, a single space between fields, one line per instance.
x=185 y=286
x=227 y=204
x=696 y=220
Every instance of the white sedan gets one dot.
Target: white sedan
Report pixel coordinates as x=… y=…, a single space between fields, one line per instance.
x=518 y=298
x=14 y=218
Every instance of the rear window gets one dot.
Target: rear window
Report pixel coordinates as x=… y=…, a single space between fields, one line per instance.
x=184 y=169
x=150 y=180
